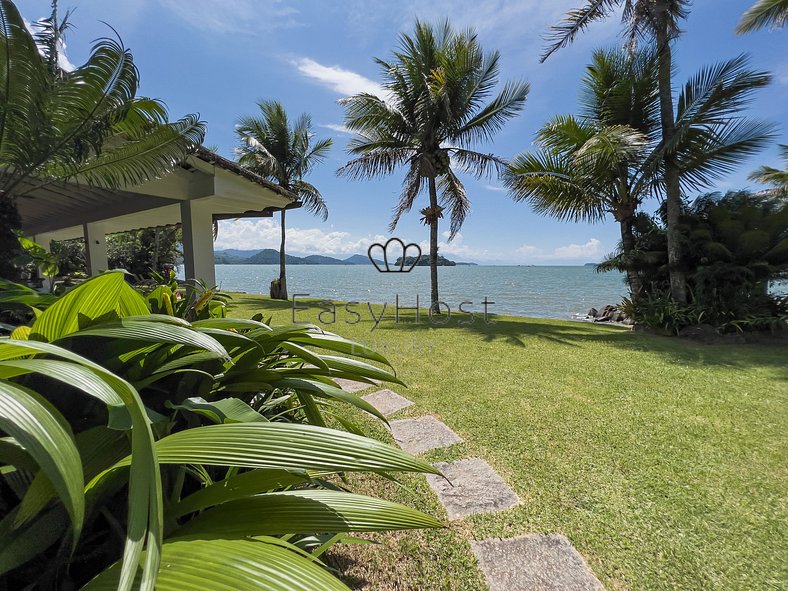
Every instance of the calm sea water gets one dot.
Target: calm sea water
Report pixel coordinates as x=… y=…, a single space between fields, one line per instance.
x=545 y=292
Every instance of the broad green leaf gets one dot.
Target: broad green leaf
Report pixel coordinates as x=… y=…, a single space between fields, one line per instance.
x=145 y=514
x=304 y=354
x=304 y=512
x=33 y=425
x=227 y=410
x=242 y=485
x=127 y=329
x=280 y=445
x=231 y=565
x=329 y=391
x=230 y=324
x=97 y=297
x=359 y=368
x=336 y=343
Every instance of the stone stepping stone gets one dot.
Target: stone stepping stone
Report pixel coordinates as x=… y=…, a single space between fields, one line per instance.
x=472 y=487
x=423 y=434
x=387 y=401
x=351 y=385
x=534 y=562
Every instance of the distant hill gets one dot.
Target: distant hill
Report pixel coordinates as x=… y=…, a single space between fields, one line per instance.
x=270 y=256
x=360 y=259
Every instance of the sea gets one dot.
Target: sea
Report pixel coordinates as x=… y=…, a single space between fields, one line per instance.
x=536 y=291
x=564 y=292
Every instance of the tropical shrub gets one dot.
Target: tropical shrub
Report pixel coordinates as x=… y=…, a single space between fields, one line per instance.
x=133 y=440
x=735 y=246
x=141 y=252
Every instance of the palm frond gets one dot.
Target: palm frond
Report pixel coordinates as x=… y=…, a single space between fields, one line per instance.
x=487 y=122
x=411 y=187
x=311 y=199
x=134 y=162
x=453 y=196
x=764 y=13
x=575 y=22
x=478 y=164
x=548 y=183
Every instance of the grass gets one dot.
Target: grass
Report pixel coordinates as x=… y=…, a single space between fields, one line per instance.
x=665 y=462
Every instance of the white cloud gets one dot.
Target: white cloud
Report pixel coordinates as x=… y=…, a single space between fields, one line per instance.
x=495 y=188
x=250 y=234
x=457 y=249
x=233 y=16
x=62 y=56
x=574 y=251
x=343 y=82
x=528 y=251
x=589 y=250
x=336 y=127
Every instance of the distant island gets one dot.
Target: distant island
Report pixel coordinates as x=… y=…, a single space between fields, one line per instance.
x=270 y=256
x=424 y=261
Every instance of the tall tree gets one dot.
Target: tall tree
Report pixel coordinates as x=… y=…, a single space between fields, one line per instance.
x=437 y=85
x=764 y=13
x=658 y=19
x=274 y=149
x=87 y=124
x=609 y=159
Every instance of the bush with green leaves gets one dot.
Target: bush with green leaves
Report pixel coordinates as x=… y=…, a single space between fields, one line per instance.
x=142 y=451
x=735 y=245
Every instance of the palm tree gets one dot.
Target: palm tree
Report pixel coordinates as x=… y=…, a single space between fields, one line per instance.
x=657 y=19
x=273 y=149
x=764 y=13
x=769 y=175
x=587 y=166
x=434 y=110
x=86 y=125
x=610 y=159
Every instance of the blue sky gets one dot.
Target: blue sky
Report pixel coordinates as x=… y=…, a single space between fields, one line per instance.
x=217 y=58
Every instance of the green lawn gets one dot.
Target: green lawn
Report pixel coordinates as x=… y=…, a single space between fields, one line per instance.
x=665 y=462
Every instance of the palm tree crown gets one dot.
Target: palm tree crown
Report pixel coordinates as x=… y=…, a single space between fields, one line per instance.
x=768 y=175
x=611 y=158
x=436 y=106
x=284 y=153
x=86 y=125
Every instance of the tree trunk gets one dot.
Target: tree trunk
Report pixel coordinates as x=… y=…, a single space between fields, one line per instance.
x=434 y=299
x=281 y=291
x=678 y=287
x=628 y=247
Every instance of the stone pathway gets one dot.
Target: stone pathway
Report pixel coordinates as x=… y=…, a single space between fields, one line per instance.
x=533 y=562
x=387 y=401
x=351 y=385
x=416 y=436
x=471 y=486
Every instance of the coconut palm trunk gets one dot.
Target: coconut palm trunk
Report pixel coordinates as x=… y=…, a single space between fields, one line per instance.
x=678 y=286
x=282 y=293
x=433 y=221
x=628 y=247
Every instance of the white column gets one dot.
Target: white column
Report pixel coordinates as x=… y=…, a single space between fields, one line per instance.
x=197 y=220
x=95 y=248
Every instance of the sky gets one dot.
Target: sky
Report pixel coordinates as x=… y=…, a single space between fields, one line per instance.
x=218 y=58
